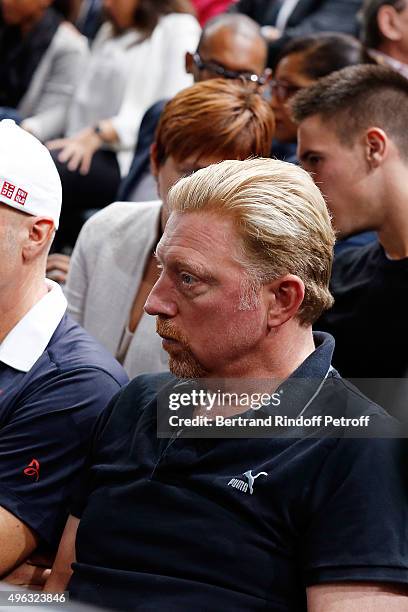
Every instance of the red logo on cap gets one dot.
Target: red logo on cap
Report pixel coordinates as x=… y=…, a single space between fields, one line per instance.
x=8 y=189
x=20 y=196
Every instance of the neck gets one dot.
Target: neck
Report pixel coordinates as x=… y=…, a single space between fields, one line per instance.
x=291 y=346
x=288 y=349
x=17 y=300
x=393 y=231
x=282 y=352
x=392 y=50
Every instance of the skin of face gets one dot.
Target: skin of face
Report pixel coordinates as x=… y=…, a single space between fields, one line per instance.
x=10 y=247
x=342 y=174
x=121 y=13
x=393 y=25
x=231 y=51
x=402 y=19
x=197 y=302
x=23 y=12
x=289 y=71
x=168 y=173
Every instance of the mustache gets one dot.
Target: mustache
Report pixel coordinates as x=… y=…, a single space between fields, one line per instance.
x=167 y=329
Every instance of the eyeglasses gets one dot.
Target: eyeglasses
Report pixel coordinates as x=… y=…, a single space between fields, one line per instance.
x=283 y=91
x=227 y=74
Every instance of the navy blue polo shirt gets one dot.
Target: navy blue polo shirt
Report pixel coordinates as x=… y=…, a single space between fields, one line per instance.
x=46 y=418
x=370 y=326
x=166 y=526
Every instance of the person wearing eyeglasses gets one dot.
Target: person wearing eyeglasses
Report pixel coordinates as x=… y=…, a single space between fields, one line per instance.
x=230 y=47
x=216 y=70
x=301 y=63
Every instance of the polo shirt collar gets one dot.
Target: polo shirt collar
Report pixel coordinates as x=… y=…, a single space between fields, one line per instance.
x=318 y=362
x=300 y=389
x=305 y=383
x=27 y=341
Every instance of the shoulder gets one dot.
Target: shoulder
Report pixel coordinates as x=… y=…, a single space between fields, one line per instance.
x=145 y=387
x=68 y=38
x=120 y=219
x=339 y=395
x=74 y=352
x=180 y=21
x=133 y=401
x=357 y=261
x=359 y=254
x=153 y=112
x=362 y=434
x=104 y=34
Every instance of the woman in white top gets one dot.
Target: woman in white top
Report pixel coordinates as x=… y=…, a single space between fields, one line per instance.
x=137 y=58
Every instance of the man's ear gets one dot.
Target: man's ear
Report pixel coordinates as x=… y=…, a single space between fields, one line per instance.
x=284 y=296
x=154 y=164
x=189 y=63
x=39 y=236
x=389 y=23
x=376 y=146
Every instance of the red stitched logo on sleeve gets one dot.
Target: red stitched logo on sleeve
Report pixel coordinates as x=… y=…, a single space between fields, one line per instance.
x=33 y=469
x=8 y=189
x=20 y=196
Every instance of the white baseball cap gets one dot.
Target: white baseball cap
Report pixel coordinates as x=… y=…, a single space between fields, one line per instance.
x=29 y=179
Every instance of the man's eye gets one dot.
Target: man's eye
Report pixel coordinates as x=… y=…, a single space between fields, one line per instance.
x=313 y=160
x=187 y=279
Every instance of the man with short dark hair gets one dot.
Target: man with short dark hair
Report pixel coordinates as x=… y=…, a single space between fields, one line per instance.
x=385 y=32
x=353 y=139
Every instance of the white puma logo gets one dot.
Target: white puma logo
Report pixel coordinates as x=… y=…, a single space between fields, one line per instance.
x=251 y=479
x=243 y=486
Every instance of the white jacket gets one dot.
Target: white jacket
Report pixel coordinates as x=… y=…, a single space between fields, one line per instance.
x=46 y=101
x=105 y=272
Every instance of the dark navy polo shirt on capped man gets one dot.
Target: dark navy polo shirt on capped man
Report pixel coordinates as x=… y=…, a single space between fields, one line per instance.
x=163 y=528
x=54 y=381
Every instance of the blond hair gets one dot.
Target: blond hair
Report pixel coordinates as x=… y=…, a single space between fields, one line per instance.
x=281 y=217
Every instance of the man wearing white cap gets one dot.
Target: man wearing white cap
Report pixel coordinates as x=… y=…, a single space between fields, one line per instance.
x=54 y=378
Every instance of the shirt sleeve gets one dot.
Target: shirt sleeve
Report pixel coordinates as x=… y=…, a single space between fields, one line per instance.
x=44 y=443
x=359 y=515
x=47 y=117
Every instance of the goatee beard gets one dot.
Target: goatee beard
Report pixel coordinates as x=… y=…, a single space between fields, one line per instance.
x=182 y=362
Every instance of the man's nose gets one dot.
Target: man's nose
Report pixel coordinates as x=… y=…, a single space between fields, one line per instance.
x=160 y=300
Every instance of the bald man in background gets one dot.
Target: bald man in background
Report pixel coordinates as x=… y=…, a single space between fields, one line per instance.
x=231 y=46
